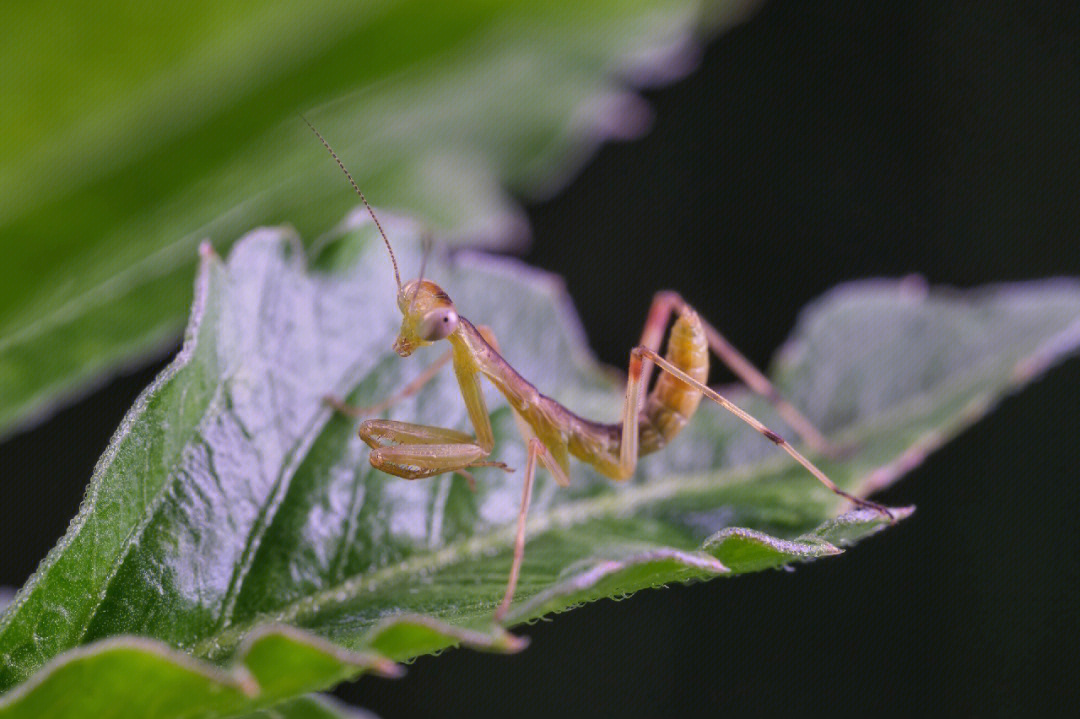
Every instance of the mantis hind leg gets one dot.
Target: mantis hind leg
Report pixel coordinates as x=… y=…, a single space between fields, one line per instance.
x=642 y=353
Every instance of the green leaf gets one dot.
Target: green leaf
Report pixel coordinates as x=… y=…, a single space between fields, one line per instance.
x=231 y=498
x=131 y=134
x=144 y=678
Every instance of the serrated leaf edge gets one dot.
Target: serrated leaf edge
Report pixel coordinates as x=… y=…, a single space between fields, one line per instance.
x=591 y=577
x=236 y=677
x=804 y=547
x=138 y=409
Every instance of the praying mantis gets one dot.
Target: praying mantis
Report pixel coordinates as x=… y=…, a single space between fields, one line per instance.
x=650 y=418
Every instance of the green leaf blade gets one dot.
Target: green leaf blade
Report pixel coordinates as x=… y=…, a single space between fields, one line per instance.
x=260 y=508
x=125 y=677
x=138 y=677
x=54 y=615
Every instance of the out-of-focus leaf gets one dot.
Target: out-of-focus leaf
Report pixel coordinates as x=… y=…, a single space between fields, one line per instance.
x=231 y=498
x=132 y=132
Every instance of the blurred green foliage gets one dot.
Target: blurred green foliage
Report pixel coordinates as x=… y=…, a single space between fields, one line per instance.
x=129 y=132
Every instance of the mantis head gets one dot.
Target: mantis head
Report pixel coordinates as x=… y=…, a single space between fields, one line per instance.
x=428 y=315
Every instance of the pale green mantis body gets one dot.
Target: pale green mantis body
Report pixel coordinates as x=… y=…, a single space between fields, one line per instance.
x=552 y=432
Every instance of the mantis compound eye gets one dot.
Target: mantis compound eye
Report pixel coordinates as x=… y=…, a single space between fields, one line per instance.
x=437 y=324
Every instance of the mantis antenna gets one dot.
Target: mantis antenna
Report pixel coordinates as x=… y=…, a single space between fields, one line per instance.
x=397 y=275
x=423 y=266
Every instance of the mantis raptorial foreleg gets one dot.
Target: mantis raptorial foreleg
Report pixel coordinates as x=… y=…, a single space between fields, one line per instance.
x=416 y=451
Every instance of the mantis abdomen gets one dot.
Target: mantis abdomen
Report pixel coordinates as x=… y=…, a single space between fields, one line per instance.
x=667 y=409
x=672 y=402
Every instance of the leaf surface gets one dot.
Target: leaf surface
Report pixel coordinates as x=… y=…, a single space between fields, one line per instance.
x=231 y=498
x=144 y=678
x=130 y=134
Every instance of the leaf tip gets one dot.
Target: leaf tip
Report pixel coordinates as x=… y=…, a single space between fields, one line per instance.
x=897 y=513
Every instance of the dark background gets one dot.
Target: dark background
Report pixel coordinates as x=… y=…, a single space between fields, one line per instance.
x=818 y=143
